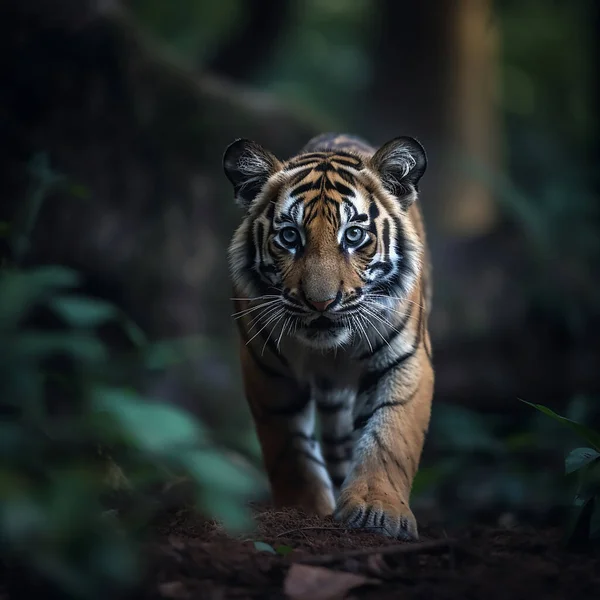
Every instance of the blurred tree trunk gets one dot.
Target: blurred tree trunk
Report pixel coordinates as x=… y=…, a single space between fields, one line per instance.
x=145 y=209
x=434 y=78
x=473 y=119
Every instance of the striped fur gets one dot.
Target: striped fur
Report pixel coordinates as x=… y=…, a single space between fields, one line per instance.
x=332 y=295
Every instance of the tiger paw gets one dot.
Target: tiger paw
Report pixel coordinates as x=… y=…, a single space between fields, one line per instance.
x=377 y=516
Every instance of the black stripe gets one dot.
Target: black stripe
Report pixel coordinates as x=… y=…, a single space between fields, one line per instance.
x=307 y=438
x=300 y=176
x=400 y=240
x=337 y=480
x=373 y=209
x=302 y=189
x=395 y=333
x=310 y=457
x=362 y=420
x=355 y=163
x=329 y=409
x=384 y=267
x=344 y=190
x=347 y=177
x=250 y=260
x=306 y=159
x=385 y=236
x=322 y=167
x=371 y=378
x=331 y=458
x=258 y=241
x=292 y=409
x=335 y=441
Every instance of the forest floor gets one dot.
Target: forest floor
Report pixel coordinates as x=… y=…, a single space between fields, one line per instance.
x=319 y=560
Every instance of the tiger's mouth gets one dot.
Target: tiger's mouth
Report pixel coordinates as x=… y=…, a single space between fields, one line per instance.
x=323 y=323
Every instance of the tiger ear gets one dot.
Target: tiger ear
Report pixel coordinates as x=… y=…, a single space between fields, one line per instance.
x=248 y=166
x=401 y=163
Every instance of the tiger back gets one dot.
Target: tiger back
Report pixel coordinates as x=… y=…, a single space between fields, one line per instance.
x=332 y=293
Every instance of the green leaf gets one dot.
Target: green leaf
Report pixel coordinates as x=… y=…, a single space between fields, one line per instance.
x=160 y=355
x=263 y=547
x=232 y=511
x=37 y=346
x=284 y=550
x=19 y=290
x=212 y=468
x=580 y=457
x=155 y=427
x=79 y=311
x=5 y=228
x=591 y=436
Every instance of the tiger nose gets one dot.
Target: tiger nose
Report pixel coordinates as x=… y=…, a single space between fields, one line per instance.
x=321 y=305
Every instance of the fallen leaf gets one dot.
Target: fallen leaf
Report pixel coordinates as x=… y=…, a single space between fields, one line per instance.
x=283 y=550
x=305 y=582
x=263 y=547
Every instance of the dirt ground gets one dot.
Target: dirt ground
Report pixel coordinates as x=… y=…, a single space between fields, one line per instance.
x=318 y=560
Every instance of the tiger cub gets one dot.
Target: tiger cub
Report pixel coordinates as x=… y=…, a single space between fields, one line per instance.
x=332 y=294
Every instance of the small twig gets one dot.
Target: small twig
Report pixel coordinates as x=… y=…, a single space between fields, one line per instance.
x=407 y=548
x=317 y=528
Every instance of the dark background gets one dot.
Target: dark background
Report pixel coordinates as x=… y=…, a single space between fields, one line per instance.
x=133 y=102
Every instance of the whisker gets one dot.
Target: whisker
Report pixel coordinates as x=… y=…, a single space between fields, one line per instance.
x=375 y=304
x=266 y=313
x=377 y=330
x=289 y=319
x=256 y=298
x=241 y=313
x=362 y=329
x=366 y=296
x=380 y=318
x=271 y=333
x=270 y=320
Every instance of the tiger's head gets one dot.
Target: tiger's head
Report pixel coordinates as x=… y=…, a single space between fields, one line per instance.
x=328 y=242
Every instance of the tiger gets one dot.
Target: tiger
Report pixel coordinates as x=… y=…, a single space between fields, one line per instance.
x=331 y=280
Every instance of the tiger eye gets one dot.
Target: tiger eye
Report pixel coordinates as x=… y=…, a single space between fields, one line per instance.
x=354 y=236
x=289 y=236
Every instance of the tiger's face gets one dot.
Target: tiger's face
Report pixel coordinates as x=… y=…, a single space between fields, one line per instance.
x=328 y=244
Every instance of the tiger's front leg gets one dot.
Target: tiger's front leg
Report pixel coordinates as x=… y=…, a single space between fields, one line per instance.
x=284 y=418
x=386 y=458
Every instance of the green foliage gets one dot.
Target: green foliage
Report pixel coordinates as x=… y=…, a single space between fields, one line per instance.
x=488 y=464
x=590 y=436
x=52 y=478
x=584 y=463
x=280 y=549
x=86 y=459
x=264 y=547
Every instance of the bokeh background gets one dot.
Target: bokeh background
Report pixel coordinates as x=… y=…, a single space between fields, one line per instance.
x=116 y=114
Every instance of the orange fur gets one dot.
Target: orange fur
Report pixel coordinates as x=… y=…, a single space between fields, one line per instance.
x=335 y=325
